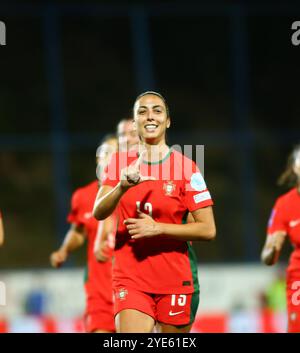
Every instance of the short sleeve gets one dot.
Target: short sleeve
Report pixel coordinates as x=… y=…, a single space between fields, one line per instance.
x=74 y=214
x=276 y=220
x=111 y=173
x=196 y=194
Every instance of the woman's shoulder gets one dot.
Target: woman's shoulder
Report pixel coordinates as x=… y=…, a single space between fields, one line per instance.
x=288 y=197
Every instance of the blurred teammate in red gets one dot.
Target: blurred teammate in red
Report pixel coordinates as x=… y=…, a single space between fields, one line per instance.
x=285 y=222
x=128 y=140
x=1 y=230
x=155 y=271
x=98 y=284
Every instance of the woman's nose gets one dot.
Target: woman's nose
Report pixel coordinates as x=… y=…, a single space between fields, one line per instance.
x=149 y=116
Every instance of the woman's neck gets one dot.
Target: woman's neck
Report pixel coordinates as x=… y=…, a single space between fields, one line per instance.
x=155 y=153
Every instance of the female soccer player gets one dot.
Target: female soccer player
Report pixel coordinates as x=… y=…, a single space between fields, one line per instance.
x=285 y=221
x=155 y=270
x=98 y=285
x=1 y=231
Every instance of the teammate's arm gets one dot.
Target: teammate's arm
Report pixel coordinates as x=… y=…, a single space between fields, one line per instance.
x=104 y=245
x=203 y=227
x=74 y=239
x=1 y=231
x=272 y=248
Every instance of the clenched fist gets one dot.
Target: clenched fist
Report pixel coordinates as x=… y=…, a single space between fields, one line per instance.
x=131 y=175
x=57 y=258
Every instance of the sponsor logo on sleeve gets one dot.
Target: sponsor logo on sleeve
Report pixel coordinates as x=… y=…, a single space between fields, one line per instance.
x=197 y=182
x=203 y=196
x=271 y=219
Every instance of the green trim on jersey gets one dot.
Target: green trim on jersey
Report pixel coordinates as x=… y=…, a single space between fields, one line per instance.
x=196 y=294
x=194 y=269
x=86 y=274
x=161 y=161
x=184 y=218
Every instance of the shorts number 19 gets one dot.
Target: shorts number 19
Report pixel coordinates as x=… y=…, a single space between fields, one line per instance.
x=181 y=300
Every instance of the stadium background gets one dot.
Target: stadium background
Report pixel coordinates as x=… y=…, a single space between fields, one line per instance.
x=70 y=72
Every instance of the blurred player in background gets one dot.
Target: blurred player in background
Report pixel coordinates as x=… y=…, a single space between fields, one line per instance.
x=1 y=230
x=128 y=140
x=127 y=135
x=285 y=222
x=155 y=271
x=98 y=284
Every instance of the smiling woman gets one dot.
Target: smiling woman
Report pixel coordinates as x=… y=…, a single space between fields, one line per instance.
x=153 y=191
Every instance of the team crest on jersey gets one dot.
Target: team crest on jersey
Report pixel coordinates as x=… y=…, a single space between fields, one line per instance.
x=88 y=215
x=122 y=294
x=293 y=316
x=169 y=187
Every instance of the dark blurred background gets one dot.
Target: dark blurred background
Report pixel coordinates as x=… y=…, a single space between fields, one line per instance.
x=70 y=71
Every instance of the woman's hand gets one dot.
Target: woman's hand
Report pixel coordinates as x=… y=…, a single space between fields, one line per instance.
x=108 y=197
x=103 y=252
x=131 y=175
x=142 y=227
x=272 y=248
x=58 y=258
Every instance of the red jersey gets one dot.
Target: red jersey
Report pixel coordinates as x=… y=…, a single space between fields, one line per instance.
x=154 y=265
x=99 y=274
x=285 y=216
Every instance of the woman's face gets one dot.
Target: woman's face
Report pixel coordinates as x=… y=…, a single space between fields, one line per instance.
x=105 y=152
x=151 y=119
x=127 y=135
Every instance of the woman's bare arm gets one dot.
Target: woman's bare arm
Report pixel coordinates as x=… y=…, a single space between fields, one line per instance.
x=203 y=227
x=272 y=248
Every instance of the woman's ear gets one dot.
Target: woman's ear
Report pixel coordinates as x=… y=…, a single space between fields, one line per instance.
x=133 y=124
x=168 y=123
